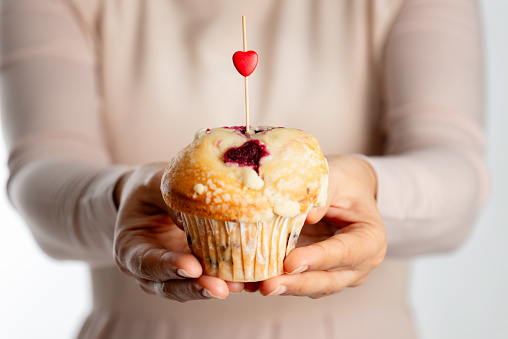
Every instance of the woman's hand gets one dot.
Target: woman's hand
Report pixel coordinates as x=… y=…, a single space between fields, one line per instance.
x=149 y=247
x=347 y=241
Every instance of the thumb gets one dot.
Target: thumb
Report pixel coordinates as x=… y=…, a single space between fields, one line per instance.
x=316 y=214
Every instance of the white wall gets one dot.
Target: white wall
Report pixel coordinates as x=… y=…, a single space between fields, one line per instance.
x=39 y=297
x=460 y=295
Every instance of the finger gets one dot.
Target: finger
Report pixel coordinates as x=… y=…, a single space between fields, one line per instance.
x=205 y=287
x=353 y=245
x=251 y=286
x=315 y=284
x=316 y=214
x=141 y=257
x=343 y=209
x=235 y=287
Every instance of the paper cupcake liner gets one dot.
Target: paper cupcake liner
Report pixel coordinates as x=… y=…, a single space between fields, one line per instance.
x=242 y=251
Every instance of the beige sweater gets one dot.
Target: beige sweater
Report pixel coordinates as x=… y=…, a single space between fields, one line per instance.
x=92 y=86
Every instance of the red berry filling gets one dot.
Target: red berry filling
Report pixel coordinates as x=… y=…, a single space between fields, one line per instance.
x=249 y=154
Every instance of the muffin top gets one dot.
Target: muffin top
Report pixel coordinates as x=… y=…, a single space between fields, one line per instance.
x=229 y=175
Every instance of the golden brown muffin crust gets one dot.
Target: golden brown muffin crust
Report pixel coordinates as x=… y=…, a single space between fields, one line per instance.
x=292 y=178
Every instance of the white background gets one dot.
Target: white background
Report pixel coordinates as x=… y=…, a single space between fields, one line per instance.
x=459 y=295
x=465 y=294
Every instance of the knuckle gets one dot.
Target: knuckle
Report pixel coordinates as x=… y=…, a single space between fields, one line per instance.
x=325 y=293
x=331 y=285
x=146 y=289
x=121 y=266
x=334 y=250
x=150 y=264
x=299 y=290
x=318 y=295
x=166 y=291
x=318 y=248
x=138 y=264
x=379 y=257
x=119 y=244
x=378 y=260
x=179 y=291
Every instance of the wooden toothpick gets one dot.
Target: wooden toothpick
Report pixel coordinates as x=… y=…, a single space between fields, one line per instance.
x=244 y=34
x=245 y=63
x=246 y=80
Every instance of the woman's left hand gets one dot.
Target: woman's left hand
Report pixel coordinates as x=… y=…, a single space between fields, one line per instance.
x=347 y=241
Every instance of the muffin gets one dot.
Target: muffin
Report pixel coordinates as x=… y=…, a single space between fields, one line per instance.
x=244 y=197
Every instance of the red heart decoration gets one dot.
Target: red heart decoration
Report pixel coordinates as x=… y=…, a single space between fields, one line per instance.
x=245 y=62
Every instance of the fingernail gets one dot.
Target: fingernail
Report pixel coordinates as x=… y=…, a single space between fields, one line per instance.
x=299 y=270
x=278 y=291
x=185 y=274
x=207 y=294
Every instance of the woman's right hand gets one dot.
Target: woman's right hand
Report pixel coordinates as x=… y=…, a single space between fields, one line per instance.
x=152 y=249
